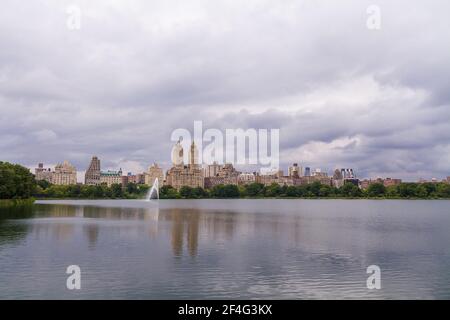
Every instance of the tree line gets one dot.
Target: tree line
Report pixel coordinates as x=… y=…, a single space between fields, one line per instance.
x=313 y=190
x=17 y=182
x=116 y=191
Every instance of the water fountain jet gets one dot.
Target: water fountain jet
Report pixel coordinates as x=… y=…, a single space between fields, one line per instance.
x=153 y=193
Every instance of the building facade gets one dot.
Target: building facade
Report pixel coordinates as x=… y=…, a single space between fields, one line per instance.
x=65 y=174
x=295 y=171
x=364 y=184
x=42 y=173
x=246 y=178
x=154 y=172
x=92 y=175
x=212 y=170
x=111 y=177
x=180 y=175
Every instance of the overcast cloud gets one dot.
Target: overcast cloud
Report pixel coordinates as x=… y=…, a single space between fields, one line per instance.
x=342 y=95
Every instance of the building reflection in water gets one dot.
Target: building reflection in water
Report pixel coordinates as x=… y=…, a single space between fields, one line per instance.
x=182 y=220
x=183 y=227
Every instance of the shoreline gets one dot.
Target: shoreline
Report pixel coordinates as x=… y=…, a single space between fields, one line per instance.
x=5 y=203
x=255 y=198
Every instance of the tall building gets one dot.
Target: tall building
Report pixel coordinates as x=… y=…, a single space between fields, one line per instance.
x=42 y=173
x=318 y=173
x=177 y=154
x=294 y=171
x=348 y=173
x=307 y=172
x=92 y=175
x=64 y=174
x=193 y=155
x=154 y=172
x=180 y=175
x=338 y=178
x=343 y=176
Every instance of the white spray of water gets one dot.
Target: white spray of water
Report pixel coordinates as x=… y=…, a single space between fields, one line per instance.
x=153 y=193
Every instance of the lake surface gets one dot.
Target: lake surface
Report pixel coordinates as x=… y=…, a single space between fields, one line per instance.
x=226 y=249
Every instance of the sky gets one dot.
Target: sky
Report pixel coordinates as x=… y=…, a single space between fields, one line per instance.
x=119 y=80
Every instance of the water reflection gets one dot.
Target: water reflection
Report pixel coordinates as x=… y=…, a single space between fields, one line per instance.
x=218 y=249
x=12 y=232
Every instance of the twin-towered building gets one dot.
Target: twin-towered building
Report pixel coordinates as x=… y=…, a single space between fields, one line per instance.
x=181 y=174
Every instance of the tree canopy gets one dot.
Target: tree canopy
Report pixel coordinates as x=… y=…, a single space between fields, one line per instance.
x=16 y=182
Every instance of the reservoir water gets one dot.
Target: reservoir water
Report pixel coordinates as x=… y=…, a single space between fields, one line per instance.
x=226 y=249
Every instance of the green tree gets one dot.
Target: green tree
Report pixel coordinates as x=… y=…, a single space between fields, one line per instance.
x=325 y=191
x=168 y=192
x=392 y=192
x=443 y=190
x=44 y=184
x=255 y=189
x=186 y=192
x=376 y=190
x=198 y=193
x=421 y=192
x=291 y=191
x=16 y=182
x=350 y=190
x=131 y=188
x=225 y=191
x=116 y=190
x=407 y=190
x=274 y=190
x=313 y=189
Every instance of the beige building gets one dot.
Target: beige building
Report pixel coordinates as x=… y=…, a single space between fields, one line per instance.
x=180 y=175
x=64 y=174
x=154 y=172
x=111 y=177
x=295 y=171
x=212 y=170
x=42 y=173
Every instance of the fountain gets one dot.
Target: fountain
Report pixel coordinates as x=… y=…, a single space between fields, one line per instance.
x=153 y=193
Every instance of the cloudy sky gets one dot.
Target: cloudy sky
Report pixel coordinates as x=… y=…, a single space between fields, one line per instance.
x=343 y=95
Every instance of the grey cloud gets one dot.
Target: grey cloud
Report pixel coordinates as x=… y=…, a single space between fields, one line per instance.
x=136 y=71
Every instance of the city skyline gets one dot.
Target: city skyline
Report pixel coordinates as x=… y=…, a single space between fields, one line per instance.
x=340 y=93
x=305 y=170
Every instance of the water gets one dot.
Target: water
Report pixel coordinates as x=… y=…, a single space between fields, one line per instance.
x=226 y=249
